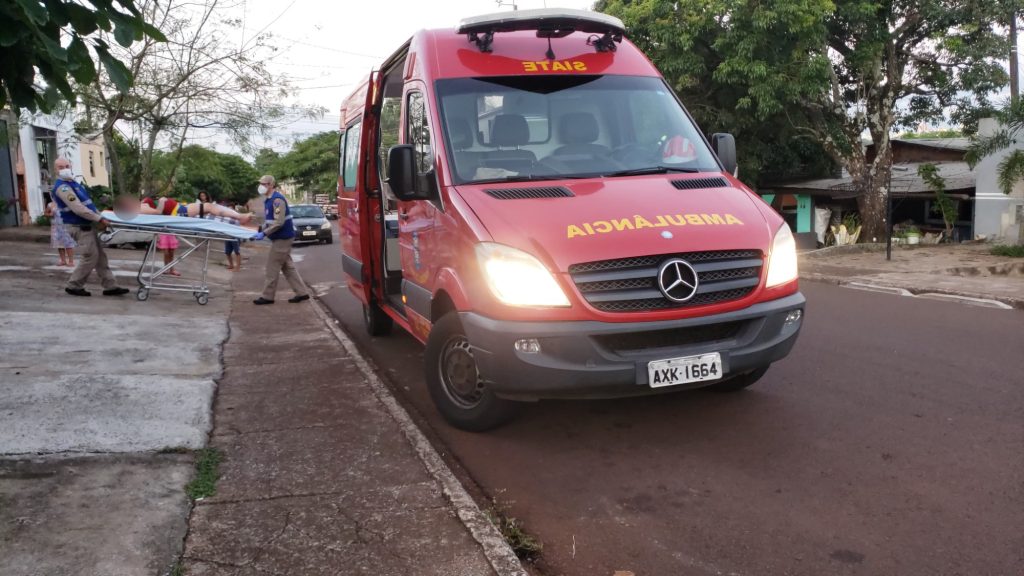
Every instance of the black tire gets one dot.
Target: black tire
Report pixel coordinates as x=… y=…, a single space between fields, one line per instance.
x=740 y=382
x=376 y=321
x=454 y=382
x=330 y=240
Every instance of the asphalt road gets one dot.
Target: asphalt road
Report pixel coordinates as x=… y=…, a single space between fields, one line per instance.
x=890 y=442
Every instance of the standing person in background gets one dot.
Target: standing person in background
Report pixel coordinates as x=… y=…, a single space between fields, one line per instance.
x=279 y=228
x=81 y=218
x=233 y=251
x=60 y=238
x=168 y=243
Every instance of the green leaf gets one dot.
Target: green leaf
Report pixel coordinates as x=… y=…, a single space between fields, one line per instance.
x=80 y=62
x=53 y=48
x=83 y=20
x=118 y=72
x=153 y=32
x=35 y=11
x=9 y=36
x=124 y=31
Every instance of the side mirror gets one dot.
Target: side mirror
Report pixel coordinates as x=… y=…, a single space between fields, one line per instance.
x=402 y=172
x=406 y=184
x=724 y=146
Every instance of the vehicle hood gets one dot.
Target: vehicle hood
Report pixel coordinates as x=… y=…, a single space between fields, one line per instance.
x=621 y=217
x=308 y=221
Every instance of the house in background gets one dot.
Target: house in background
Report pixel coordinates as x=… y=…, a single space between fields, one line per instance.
x=997 y=215
x=913 y=198
x=27 y=164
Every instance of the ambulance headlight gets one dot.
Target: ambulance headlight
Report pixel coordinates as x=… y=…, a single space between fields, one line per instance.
x=517 y=278
x=782 y=260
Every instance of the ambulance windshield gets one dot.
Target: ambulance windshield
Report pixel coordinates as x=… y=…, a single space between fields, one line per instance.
x=548 y=127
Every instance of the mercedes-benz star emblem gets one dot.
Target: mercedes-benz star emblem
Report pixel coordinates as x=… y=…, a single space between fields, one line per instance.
x=677 y=280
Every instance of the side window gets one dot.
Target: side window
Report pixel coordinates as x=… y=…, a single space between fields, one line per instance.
x=350 y=161
x=341 y=153
x=417 y=133
x=390 y=122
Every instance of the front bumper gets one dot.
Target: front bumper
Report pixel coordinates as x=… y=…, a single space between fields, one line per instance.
x=590 y=359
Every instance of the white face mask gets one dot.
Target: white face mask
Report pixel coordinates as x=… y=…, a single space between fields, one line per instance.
x=262 y=190
x=65 y=174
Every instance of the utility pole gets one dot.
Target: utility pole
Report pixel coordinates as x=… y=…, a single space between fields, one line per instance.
x=1014 y=65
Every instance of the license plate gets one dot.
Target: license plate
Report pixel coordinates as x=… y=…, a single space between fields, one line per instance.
x=309 y=233
x=684 y=370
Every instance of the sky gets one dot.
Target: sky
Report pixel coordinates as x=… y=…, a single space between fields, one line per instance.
x=325 y=49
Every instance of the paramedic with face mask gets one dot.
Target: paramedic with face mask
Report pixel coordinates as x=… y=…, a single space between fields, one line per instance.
x=81 y=218
x=279 y=229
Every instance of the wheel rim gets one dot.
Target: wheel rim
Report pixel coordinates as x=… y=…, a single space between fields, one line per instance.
x=460 y=377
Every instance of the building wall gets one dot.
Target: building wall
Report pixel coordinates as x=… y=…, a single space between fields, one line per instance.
x=997 y=216
x=93 y=159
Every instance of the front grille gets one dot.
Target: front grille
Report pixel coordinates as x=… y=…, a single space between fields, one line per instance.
x=630 y=284
x=631 y=341
x=526 y=193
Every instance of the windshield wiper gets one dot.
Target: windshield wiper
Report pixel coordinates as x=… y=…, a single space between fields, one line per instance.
x=650 y=170
x=531 y=177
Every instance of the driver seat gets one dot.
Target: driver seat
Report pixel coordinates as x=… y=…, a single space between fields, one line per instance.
x=579 y=132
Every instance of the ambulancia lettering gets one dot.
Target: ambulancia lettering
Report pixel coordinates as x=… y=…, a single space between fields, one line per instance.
x=661 y=221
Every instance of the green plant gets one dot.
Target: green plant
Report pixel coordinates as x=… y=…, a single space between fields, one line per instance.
x=911 y=231
x=1009 y=251
x=524 y=545
x=204 y=484
x=42 y=220
x=945 y=206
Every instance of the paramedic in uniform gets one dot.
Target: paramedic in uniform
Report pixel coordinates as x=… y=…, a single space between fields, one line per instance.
x=281 y=232
x=81 y=218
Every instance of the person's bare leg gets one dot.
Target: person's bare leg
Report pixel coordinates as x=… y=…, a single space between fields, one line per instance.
x=218 y=210
x=62 y=253
x=168 y=257
x=71 y=256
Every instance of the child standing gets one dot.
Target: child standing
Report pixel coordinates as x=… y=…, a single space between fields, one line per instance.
x=168 y=243
x=60 y=238
x=232 y=249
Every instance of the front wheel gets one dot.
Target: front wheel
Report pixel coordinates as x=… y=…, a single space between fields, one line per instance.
x=739 y=382
x=455 y=384
x=377 y=322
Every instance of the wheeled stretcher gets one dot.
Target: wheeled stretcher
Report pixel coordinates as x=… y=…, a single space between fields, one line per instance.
x=196 y=233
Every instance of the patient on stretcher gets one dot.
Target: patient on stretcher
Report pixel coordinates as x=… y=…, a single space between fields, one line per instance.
x=127 y=207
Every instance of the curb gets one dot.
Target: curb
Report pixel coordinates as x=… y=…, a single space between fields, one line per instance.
x=934 y=294
x=498 y=553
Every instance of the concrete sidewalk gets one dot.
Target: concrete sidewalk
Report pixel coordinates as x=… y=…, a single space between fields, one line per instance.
x=101 y=400
x=321 y=473
x=965 y=270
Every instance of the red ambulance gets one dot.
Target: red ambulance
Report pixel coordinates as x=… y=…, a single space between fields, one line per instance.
x=527 y=196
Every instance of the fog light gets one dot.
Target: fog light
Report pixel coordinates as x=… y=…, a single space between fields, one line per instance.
x=528 y=346
x=794 y=316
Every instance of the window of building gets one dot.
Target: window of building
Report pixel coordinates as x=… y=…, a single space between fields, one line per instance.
x=92 y=164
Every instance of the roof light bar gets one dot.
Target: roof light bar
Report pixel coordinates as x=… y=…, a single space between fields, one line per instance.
x=548 y=22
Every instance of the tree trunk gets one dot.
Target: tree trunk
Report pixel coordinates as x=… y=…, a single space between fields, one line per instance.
x=115 y=160
x=872 y=207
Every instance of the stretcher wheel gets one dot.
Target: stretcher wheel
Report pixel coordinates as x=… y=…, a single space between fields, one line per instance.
x=202 y=299
x=142 y=294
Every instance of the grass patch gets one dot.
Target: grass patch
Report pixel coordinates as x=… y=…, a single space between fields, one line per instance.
x=525 y=546
x=204 y=484
x=177 y=570
x=1009 y=251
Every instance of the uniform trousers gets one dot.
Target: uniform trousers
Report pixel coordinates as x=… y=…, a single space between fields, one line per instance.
x=90 y=257
x=280 y=262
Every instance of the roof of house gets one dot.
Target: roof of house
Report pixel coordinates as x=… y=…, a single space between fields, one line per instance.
x=905 y=181
x=944 y=143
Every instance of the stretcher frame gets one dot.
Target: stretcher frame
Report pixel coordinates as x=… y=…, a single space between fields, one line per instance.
x=154 y=275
